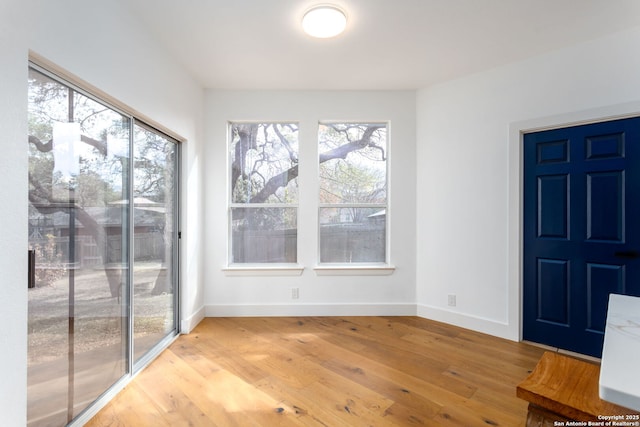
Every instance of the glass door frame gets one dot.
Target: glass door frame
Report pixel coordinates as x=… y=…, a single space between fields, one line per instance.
x=133 y=366
x=136 y=365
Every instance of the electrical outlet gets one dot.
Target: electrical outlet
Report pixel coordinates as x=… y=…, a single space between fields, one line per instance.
x=295 y=293
x=451 y=300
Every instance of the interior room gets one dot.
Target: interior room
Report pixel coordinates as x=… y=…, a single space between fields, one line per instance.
x=451 y=89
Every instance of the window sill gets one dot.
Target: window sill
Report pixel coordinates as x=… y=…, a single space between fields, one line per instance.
x=263 y=270
x=354 y=270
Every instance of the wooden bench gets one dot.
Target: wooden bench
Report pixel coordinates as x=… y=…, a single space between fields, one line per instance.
x=563 y=389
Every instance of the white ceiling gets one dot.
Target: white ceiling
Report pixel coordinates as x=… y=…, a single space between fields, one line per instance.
x=388 y=44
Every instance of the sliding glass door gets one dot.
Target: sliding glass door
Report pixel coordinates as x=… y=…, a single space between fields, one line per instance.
x=155 y=235
x=102 y=271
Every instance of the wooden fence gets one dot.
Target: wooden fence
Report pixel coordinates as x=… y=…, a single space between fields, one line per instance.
x=338 y=243
x=54 y=251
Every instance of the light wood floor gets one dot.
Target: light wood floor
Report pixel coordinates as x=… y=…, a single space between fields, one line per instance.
x=328 y=371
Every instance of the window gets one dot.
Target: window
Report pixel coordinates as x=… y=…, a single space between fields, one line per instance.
x=264 y=192
x=353 y=192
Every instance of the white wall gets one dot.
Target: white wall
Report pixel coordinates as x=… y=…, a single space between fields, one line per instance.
x=469 y=203
x=102 y=44
x=13 y=214
x=319 y=295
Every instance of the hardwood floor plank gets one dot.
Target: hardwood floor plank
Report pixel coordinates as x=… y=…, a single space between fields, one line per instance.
x=410 y=392
x=205 y=393
x=174 y=404
x=309 y=410
x=311 y=345
x=131 y=407
x=228 y=359
x=474 y=414
x=412 y=364
x=328 y=371
x=333 y=357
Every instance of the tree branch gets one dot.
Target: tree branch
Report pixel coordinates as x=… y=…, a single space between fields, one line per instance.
x=46 y=147
x=285 y=142
x=247 y=140
x=377 y=147
x=43 y=147
x=342 y=151
x=271 y=186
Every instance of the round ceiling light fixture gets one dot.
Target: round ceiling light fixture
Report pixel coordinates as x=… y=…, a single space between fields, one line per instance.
x=324 y=21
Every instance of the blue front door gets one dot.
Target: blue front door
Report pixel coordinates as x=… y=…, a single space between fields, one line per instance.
x=581 y=230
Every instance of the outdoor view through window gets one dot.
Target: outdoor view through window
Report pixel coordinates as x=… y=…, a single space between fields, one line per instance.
x=264 y=192
x=353 y=192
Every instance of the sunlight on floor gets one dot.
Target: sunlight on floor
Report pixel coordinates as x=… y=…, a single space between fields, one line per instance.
x=235 y=395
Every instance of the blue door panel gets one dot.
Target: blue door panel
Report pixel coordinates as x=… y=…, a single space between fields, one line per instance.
x=605 y=146
x=553 y=289
x=605 y=214
x=581 y=230
x=553 y=152
x=602 y=280
x=553 y=202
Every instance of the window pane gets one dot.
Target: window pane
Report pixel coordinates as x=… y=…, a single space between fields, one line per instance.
x=353 y=172
x=153 y=238
x=264 y=162
x=264 y=235
x=352 y=235
x=353 y=163
x=78 y=247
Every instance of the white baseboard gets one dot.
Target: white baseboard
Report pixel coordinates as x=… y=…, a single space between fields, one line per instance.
x=475 y=323
x=286 y=310
x=187 y=325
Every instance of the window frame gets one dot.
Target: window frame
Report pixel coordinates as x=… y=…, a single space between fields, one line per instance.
x=366 y=267
x=234 y=268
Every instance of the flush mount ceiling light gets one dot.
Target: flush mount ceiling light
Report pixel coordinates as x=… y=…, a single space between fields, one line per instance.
x=324 y=21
